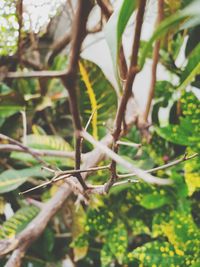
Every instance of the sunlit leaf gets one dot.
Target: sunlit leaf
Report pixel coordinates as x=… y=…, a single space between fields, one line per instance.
x=18 y=221
x=97 y=94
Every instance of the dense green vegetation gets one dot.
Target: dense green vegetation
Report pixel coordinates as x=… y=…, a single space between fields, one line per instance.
x=135 y=224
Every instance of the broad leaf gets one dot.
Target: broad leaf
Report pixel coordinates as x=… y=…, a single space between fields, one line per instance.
x=80 y=247
x=193 y=61
x=12 y=179
x=18 y=221
x=51 y=142
x=97 y=97
x=192 y=175
x=191 y=11
x=48 y=142
x=116 y=245
x=155 y=200
x=158 y=254
x=177 y=134
x=8 y=110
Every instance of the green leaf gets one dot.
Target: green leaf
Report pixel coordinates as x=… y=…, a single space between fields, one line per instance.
x=157 y=253
x=155 y=200
x=139 y=227
x=50 y=142
x=12 y=179
x=193 y=61
x=192 y=175
x=8 y=110
x=115 y=28
x=4 y=89
x=118 y=241
x=191 y=11
x=116 y=245
x=18 y=222
x=97 y=97
x=106 y=256
x=180 y=230
x=177 y=134
x=164 y=90
x=190 y=78
x=180 y=184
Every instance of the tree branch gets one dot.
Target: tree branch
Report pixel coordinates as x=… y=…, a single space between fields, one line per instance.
x=78 y=35
x=106 y=8
x=24 y=148
x=128 y=144
x=90 y=160
x=19 y=11
x=168 y=165
x=133 y=70
x=37 y=74
x=155 y=62
x=39 y=152
x=140 y=173
x=62 y=175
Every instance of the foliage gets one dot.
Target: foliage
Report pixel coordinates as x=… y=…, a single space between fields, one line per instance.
x=136 y=224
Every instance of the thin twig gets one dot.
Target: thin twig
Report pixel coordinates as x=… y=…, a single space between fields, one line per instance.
x=128 y=181
x=25 y=148
x=93 y=169
x=89 y=120
x=115 y=157
x=24 y=122
x=133 y=70
x=62 y=175
x=37 y=74
x=37 y=226
x=79 y=33
x=168 y=165
x=19 y=9
x=39 y=152
x=106 y=8
x=128 y=144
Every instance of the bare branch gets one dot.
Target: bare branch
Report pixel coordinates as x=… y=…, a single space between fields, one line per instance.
x=19 y=11
x=39 y=152
x=78 y=35
x=106 y=8
x=140 y=173
x=168 y=165
x=24 y=122
x=62 y=175
x=24 y=148
x=37 y=74
x=155 y=61
x=57 y=47
x=129 y=144
x=133 y=70
x=62 y=42
x=37 y=226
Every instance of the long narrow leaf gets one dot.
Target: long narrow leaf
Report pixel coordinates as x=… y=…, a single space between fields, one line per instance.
x=115 y=29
